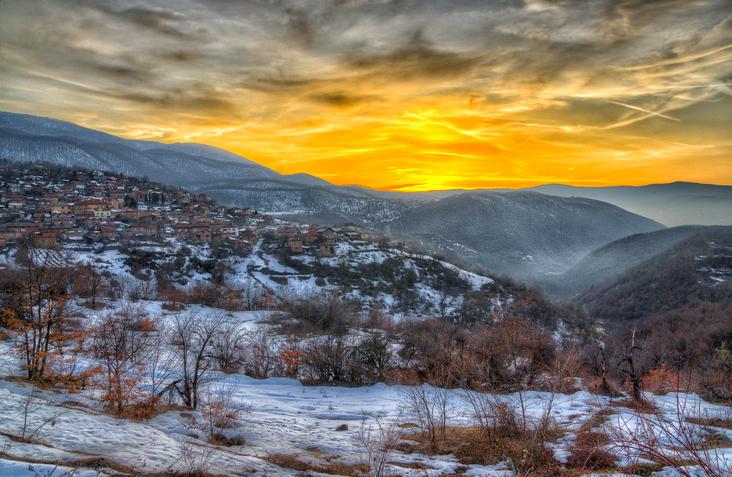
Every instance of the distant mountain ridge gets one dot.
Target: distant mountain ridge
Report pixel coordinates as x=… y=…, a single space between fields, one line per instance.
x=199 y=168
x=673 y=204
x=519 y=233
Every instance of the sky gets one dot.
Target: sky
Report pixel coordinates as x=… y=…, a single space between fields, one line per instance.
x=394 y=94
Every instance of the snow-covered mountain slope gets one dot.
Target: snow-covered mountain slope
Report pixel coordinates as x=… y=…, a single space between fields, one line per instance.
x=609 y=261
x=221 y=174
x=677 y=203
x=693 y=274
x=400 y=283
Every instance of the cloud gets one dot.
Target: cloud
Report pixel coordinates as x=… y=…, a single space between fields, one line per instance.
x=307 y=83
x=416 y=58
x=160 y=20
x=341 y=98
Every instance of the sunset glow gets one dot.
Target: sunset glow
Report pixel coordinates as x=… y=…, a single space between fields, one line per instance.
x=394 y=95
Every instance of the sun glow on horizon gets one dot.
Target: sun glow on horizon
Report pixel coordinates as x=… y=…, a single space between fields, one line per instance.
x=466 y=95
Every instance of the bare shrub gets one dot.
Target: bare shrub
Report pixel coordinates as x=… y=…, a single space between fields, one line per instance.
x=219 y=408
x=194 y=460
x=328 y=312
x=122 y=350
x=29 y=429
x=326 y=360
x=261 y=356
x=671 y=439
x=377 y=441
x=429 y=406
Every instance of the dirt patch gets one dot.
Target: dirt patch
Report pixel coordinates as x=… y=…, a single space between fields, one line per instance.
x=292 y=461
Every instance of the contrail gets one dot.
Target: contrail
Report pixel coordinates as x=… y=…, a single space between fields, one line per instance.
x=647 y=111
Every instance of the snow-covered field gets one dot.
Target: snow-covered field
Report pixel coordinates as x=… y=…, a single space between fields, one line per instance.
x=282 y=417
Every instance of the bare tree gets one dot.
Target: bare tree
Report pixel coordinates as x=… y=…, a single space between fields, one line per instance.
x=193 y=336
x=161 y=363
x=630 y=366
x=122 y=349
x=251 y=293
x=37 y=308
x=261 y=356
x=229 y=348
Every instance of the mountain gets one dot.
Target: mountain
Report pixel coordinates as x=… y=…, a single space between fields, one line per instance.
x=694 y=272
x=611 y=260
x=199 y=168
x=678 y=203
x=522 y=234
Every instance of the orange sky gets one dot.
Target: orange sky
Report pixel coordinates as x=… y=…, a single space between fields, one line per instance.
x=462 y=94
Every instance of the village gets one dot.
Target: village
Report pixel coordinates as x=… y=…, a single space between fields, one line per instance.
x=76 y=209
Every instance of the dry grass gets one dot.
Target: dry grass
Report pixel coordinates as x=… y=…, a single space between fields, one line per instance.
x=597 y=420
x=292 y=461
x=472 y=445
x=644 y=469
x=587 y=452
x=643 y=407
x=220 y=439
x=724 y=422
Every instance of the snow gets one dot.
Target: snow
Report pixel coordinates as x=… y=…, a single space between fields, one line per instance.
x=285 y=417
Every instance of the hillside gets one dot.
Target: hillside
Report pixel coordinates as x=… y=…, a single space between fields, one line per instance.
x=523 y=234
x=611 y=260
x=695 y=271
x=227 y=177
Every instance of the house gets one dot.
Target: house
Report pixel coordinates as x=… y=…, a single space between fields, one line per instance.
x=73 y=235
x=327 y=234
x=326 y=249
x=294 y=245
x=196 y=233
x=250 y=235
x=242 y=246
x=311 y=236
x=47 y=239
x=88 y=207
x=147 y=230
x=108 y=231
x=15 y=231
x=60 y=209
x=287 y=232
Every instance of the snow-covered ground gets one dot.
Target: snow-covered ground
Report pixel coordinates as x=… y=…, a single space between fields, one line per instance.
x=282 y=417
